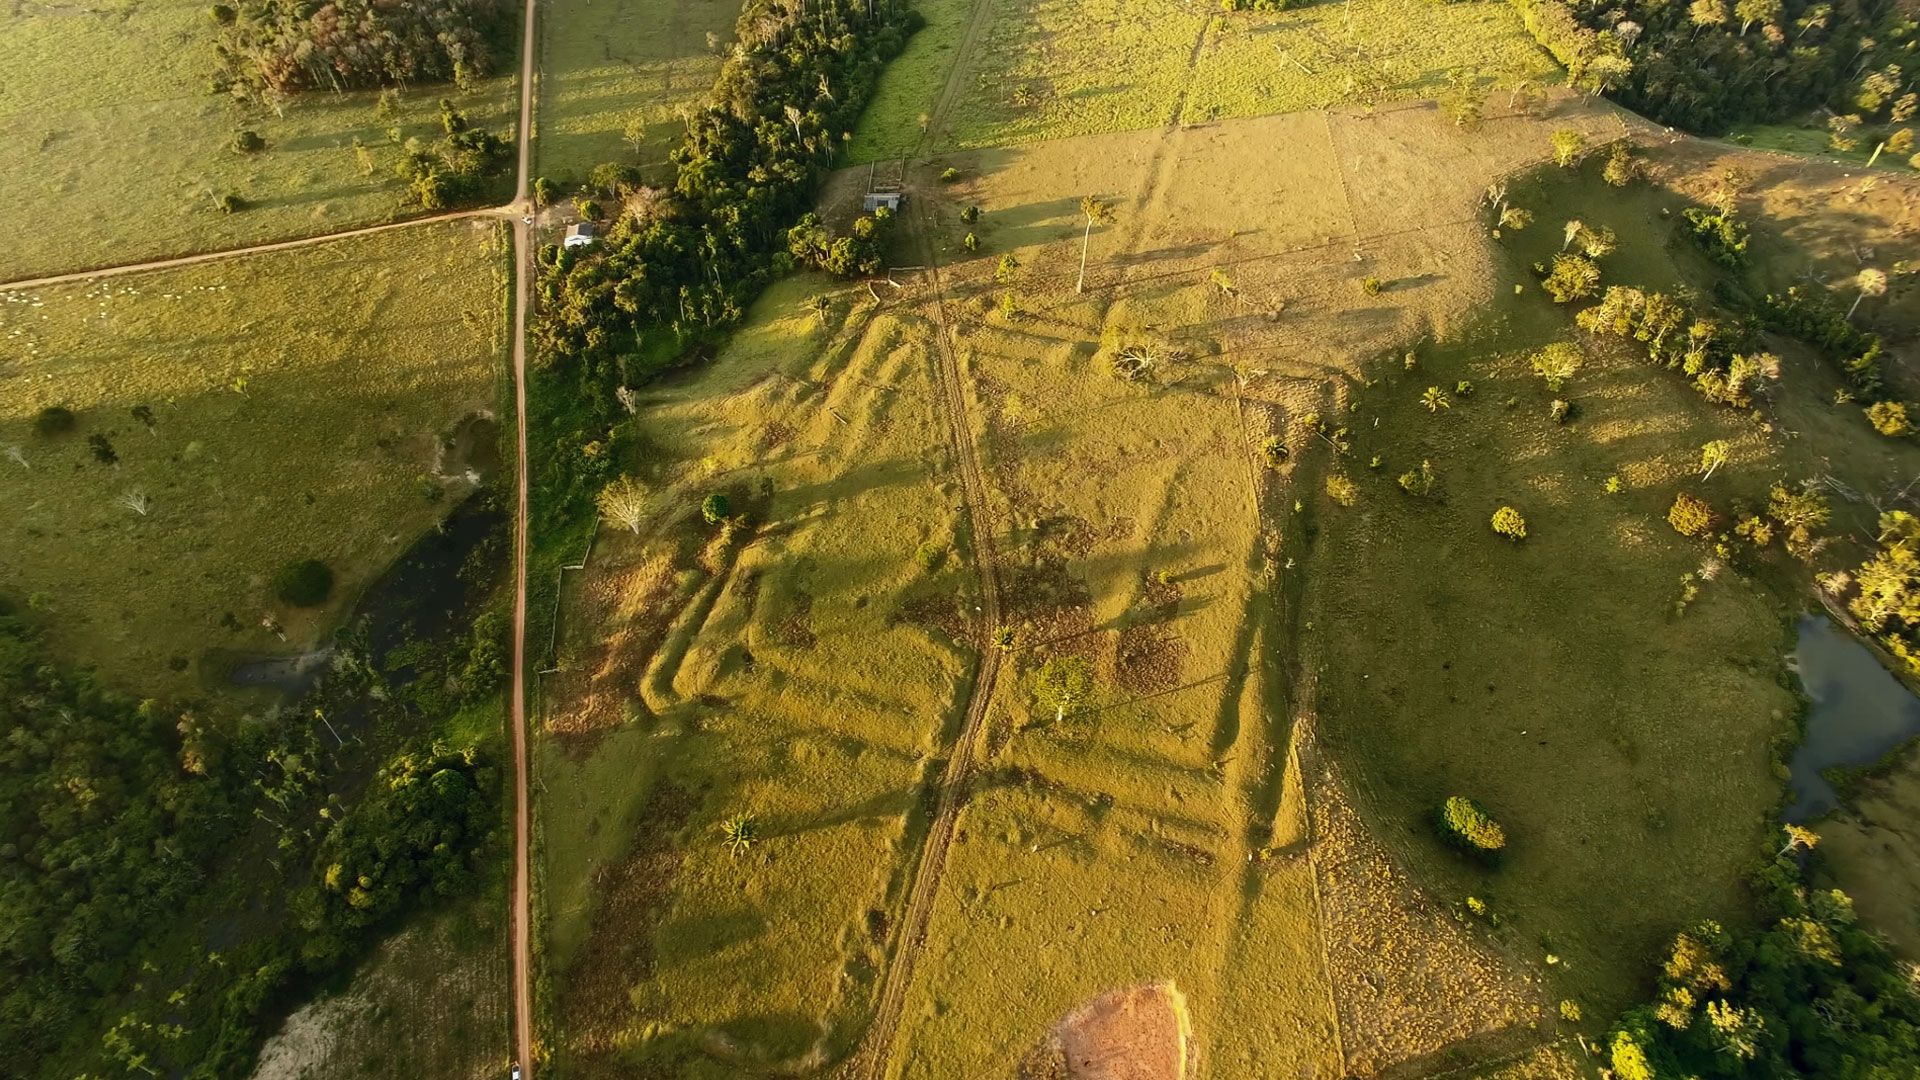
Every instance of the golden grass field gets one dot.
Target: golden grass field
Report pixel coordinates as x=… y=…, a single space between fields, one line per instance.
x=1024 y=71
x=1284 y=685
x=300 y=406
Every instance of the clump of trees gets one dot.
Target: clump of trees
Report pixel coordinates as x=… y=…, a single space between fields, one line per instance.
x=451 y=170
x=268 y=47
x=1710 y=64
x=1467 y=825
x=862 y=251
x=1810 y=316
x=1720 y=233
x=1887 y=588
x=1807 y=992
x=1711 y=352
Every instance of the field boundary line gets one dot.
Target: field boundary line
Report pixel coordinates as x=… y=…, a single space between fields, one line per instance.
x=177 y=261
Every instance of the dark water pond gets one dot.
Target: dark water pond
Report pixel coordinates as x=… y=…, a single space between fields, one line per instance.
x=1859 y=712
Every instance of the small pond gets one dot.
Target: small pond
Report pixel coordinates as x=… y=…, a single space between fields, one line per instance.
x=1859 y=712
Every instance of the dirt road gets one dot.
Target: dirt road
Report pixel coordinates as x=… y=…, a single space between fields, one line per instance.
x=522 y=922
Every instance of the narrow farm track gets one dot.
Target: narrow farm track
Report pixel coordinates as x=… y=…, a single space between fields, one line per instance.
x=876 y=1049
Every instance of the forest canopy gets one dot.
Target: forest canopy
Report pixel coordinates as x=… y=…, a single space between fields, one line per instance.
x=268 y=46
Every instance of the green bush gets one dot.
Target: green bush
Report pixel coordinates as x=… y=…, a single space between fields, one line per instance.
x=248 y=141
x=54 y=420
x=306 y=583
x=716 y=508
x=1467 y=824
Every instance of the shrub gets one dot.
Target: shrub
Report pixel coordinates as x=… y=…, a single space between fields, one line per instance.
x=949 y=174
x=306 y=583
x=1690 y=515
x=1508 y=523
x=1467 y=824
x=970 y=214
x=1274 y=450
x=1620 y=168
x=1341 y=489
x=248 y=141
x=1889 y=418
x=230 y=203
x=1567 y=144
x=1720 y=234
x=224 y=14
x=53 y=420
x=716 y=508
x=1372 y=286
x=1557 y=363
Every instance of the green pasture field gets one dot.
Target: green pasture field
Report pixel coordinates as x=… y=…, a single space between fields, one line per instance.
x=604 y=63
x=1560 y=681
x=302 y=404
x=801 y=667
x=113 y=148
x=1049 y=69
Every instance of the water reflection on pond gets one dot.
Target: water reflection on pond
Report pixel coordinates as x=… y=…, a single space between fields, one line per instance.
x=1859 y=712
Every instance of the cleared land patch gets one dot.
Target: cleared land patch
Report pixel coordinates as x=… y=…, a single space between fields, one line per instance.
x=229 y=419
x=613 y=73
x=113 y=150
x=1046 y=69
x=432 y=1001
x=798 y=667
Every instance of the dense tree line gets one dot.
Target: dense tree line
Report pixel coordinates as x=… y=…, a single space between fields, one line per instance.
x=1809 y=992
x=1707 y=65
x=280 y=46
x=678 y=265
x=124 y=823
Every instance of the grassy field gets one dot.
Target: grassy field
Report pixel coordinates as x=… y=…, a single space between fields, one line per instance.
x=1594 y=721
x=606 y=63
x=1049 y=69
x=302 y=404
x=1868 y=848
x=798 y=667
x=113 y=149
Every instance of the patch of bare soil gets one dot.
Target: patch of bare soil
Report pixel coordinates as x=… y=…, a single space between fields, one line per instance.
x=1134 y=1033
x=590 y=695
x=1409 y=978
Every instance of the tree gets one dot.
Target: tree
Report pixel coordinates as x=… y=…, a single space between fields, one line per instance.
x=1753 y=11
x=1574 y=277
x=54 y=420
x=1064 y=684
x=1341 y=489
x=1620 y=168
x=1712 y=455
x=1436 y=399
x=1889 y=418
x=1557 y=363
x=1096 y=213
x=136 y=501
x=1567 y=144
x=1870 y=282
x=1516 y=218
x=624 y=501
x=1690 y=516
x=716 y=508
x=634 y=131
x=1421 y=481
x=1467 y=824
x=1508 y=523
x=304 y=583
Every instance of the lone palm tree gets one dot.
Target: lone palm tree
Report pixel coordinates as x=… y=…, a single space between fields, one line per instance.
x=1870 y=282
x=1096 y=213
